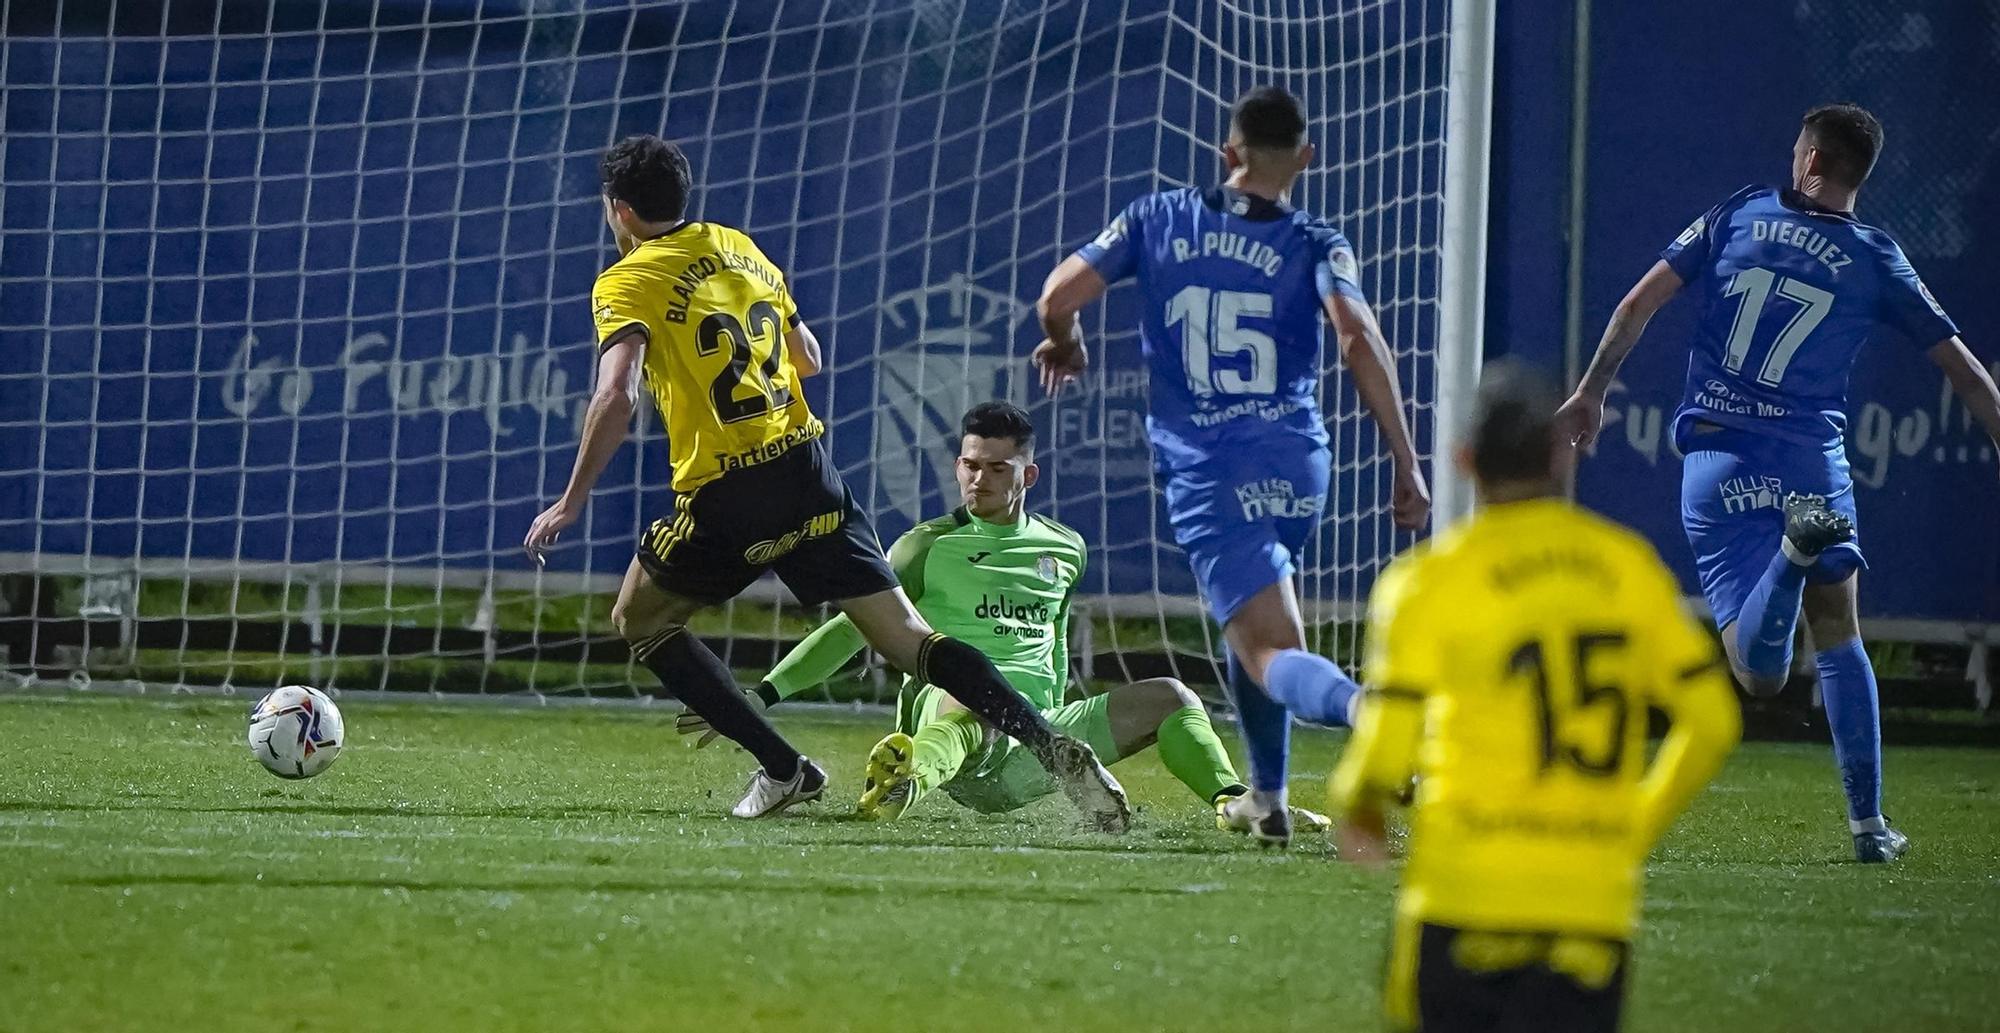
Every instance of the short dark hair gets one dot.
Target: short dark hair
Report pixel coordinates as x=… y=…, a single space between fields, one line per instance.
x=1849 y=140
x=1268 y=117
x=649 y=174
x=1512 y=435
x=999 y=420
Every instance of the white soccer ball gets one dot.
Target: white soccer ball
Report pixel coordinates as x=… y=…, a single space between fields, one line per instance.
x=296 y=732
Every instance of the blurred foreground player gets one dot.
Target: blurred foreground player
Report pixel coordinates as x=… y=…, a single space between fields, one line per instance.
x=1236 y=284
x=710 y=321
x=1792 y=286
x=1511 y=663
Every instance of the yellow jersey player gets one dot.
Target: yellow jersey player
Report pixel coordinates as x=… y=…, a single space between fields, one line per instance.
x=1512 y=663
x=707 y=322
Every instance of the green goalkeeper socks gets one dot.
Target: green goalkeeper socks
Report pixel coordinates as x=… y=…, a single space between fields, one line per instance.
x=942 y=746
x=1191 y=750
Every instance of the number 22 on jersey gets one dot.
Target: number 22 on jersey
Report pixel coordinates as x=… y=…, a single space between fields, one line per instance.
x=743 y=341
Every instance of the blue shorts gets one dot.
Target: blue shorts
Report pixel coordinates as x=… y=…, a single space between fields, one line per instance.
x=1732 y=506
x=1244 y=518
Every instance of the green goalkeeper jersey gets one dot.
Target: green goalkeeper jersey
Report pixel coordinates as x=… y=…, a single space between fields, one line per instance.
x=1002 y=588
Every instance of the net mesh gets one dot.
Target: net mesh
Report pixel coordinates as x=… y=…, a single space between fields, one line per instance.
x=294 y=333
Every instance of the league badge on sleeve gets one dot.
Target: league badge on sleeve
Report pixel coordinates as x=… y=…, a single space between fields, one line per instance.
x=1344 y=265
x=1925 y=290
x=1112 y=234
x=1694 y=230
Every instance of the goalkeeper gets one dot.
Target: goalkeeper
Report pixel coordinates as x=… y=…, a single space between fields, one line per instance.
x=1001 y=579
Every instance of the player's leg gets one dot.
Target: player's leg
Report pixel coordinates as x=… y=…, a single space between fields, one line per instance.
x=653 y=623
x=1578 y=986
x=1268 y=636
x=895 y=629
x=1006 y=777
x=1430 y=990
x=1267 y=650
x=1234 y=559
x=1240 y=527
x=1847 y=685
x=1164 y=712
x=1761 y=643
x=928 y=750
x=844 y=564
x=1733 y=527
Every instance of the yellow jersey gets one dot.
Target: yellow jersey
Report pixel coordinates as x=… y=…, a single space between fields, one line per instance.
x=715 y=312
x=1511 y=664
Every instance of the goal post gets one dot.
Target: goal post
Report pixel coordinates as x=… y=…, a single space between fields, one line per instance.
x=1462 y=321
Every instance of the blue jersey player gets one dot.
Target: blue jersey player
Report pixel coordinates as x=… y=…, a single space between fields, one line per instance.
x=1236 y=284
x=1791 y=286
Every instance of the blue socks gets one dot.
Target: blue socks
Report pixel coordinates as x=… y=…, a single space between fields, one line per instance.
x=1764 y=626
x=1267 y=730
x=1847 y=685
x=1310 y=686
x=1297 y=683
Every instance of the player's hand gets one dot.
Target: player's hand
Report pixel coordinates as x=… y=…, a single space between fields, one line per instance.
x=1410 y=502
x=691 y=723
x=1579 y=419
x=1362 y=837
x=543 y=532
x=1061 y=362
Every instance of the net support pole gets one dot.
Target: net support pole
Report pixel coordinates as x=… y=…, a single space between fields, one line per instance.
x=1462 y=274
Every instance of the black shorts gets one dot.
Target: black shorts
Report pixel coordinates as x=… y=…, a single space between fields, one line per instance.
x=1446 y=980
x=791 y=514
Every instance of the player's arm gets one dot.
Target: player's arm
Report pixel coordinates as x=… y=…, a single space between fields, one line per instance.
x=814 y=660
x=1061 y=357
x=803 y=349
x=1368 y=360
x=1582 y=416
x=1076 y=282
x=1375 y=769
x=1972 y=383
x=604 y=426
x=801 y=344
x=1694 y=690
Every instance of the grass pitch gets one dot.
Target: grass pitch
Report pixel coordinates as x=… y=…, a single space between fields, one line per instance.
x=496 y=870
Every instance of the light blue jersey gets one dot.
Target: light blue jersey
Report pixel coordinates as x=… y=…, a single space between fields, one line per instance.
x=1232 y=317
x=1790 y=291
x=1233 y=289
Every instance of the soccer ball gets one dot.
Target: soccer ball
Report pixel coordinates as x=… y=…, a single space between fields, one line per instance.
x=295 y=731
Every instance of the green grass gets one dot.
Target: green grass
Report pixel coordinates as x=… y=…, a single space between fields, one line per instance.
x=494 y=870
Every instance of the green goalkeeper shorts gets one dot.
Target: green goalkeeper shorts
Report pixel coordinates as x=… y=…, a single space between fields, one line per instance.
x=1004 y=775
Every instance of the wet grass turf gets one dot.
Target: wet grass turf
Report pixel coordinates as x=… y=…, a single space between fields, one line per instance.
x=466 y=868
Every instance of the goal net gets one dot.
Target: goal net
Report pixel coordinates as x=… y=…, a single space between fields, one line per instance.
x=294 y=334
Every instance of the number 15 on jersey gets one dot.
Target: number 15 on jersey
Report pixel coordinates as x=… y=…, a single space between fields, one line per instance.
x=1209 y=330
